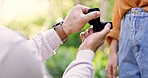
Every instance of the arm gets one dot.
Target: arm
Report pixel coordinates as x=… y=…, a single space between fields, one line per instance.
x=82 y=66
x=111 y=67
x=112 y=38
x=46 y=43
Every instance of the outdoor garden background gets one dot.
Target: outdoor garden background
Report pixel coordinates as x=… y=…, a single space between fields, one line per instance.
x=31 y=16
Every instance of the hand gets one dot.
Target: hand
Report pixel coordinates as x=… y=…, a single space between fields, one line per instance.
x=111 y=67
x=92 y=41
x=77 y=19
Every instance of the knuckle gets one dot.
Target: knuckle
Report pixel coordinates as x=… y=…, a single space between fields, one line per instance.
x=95 y=15
x=101 y=35
x=78 y=5
x=114 y=66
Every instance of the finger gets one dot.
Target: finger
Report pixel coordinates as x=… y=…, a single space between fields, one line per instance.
x=84 y=8
x=108 y=71
x=86 y=34
x=114 y=72
x=92 y=15
x=90 y=31
x=106 y=29
x=82 y=36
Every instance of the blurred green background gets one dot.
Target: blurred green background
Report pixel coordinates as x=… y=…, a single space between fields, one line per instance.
x=31 y=16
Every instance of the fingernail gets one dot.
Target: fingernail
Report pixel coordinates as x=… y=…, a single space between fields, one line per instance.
x=108 y=24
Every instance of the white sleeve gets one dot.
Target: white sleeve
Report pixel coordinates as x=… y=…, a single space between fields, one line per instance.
x=45 y=43
x=82 y=66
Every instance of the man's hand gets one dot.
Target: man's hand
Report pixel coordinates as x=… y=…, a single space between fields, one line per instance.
x=92 y=41
x=111 y=67
x=77 y=19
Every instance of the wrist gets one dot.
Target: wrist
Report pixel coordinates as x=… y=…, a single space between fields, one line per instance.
x=86 y=48
x=114 y=46
x=60 y=31
x=113 y=52
x=66 y=28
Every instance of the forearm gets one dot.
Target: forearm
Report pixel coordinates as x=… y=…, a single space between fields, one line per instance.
x=113 y=47
x=82 y=67
x=45 y=43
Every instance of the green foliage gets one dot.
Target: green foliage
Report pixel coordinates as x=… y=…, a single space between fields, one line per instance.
x=110 y=9
x=100 y=62
x=39 y=21
x=58 y=63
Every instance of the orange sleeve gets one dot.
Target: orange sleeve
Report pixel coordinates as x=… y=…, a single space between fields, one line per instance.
x=116 y=20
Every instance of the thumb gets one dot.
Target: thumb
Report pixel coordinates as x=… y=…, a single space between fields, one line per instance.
x=92 y=15
x=106 y=29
